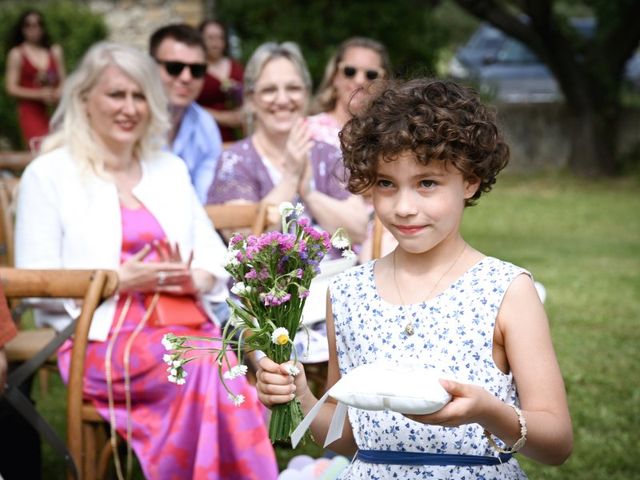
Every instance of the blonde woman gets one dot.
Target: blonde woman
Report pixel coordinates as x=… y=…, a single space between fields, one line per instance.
x=104 y=195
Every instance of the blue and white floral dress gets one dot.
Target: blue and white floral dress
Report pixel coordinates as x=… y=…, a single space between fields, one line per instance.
x=453 y=333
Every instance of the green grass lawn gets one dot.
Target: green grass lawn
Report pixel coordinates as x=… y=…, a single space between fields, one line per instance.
x=581 y=239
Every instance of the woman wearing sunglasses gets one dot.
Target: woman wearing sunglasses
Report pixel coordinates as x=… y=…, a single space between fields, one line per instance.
x=357 y=62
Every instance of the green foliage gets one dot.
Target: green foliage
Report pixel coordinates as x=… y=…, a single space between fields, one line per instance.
x=70 y=25
x=582 y=241
x=405 y=27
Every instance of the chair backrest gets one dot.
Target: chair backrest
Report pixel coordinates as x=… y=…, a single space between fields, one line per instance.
x=15 y=161
x=251 y=216
x=93 y=286
x=8 y=187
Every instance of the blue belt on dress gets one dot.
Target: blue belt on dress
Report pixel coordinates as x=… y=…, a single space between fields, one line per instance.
x=419 y=458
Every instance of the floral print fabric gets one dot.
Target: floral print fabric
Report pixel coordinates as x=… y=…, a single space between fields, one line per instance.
x=453 y=334
x=324 y=128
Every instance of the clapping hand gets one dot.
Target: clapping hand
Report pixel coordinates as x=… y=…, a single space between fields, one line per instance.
x=298 y=147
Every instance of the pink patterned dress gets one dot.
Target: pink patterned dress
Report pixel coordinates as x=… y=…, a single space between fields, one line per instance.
x=324 y=128
x=192 y=431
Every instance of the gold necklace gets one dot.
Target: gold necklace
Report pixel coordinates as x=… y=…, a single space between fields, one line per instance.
x=409 y=329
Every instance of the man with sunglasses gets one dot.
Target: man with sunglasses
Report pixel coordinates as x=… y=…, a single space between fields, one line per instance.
x=194 y=136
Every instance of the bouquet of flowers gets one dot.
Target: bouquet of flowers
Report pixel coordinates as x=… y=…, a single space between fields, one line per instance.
x=272 y=274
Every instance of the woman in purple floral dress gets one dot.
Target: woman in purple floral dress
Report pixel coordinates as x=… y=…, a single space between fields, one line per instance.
x=280 y=161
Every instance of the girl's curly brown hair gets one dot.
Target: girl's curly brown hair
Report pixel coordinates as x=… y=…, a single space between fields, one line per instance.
x=436 y=120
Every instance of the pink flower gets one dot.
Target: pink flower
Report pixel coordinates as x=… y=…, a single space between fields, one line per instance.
x=236 y=239
x=303 y=293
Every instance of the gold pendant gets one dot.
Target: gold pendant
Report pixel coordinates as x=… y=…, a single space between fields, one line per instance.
x=409 y=329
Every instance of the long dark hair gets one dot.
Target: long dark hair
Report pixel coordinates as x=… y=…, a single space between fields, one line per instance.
x=225 y=33
x=17 y=37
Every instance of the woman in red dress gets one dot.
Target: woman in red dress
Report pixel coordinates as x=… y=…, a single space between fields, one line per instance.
x=221 y=94
x=34 y=76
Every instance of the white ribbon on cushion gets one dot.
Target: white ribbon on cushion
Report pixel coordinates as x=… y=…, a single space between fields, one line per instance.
x=404 y=388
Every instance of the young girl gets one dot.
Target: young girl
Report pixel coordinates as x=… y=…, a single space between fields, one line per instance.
x=426 y=150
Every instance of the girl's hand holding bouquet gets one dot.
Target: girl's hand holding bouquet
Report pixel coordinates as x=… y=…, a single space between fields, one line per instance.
x=272 y=274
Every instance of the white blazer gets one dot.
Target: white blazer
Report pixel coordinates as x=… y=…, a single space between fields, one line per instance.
x=69 y=217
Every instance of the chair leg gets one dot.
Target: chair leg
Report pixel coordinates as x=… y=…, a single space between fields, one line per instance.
x=106 y=455
x=43 y=381
x=89 y=453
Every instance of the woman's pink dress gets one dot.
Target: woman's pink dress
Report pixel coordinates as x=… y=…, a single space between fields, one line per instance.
x=190 y=431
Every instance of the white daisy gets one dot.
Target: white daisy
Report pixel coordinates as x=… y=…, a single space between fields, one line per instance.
x=340 y=239
x=234 y=372
x=280 y=336
x=231 y=259
x=239 y=288
x=350 y=254
x=285 y=209
x=293 y=370
x=169 y=341
x=236 y=399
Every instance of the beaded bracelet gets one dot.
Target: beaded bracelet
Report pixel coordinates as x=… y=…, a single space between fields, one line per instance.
x=519 y=443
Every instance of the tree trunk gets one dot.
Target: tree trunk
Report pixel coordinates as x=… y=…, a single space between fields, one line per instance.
x=594 y=115
x=594 y=136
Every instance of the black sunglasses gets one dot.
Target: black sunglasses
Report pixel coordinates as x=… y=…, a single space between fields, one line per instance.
x=350 y=72
x=175 y=68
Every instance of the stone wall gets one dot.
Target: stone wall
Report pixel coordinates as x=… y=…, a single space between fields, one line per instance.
x=538 y=135
x=132 y=22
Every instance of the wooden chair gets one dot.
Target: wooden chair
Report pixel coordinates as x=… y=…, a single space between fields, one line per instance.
x=15 y=161
x=27 y=342
x=252 y=216
x=25 y=345
x=85 y=427
x=8 y=187
x=376 y=244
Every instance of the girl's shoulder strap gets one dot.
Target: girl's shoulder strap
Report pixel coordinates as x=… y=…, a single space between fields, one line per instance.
x=352 y=277
x=508 y=269
x=491 y=279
